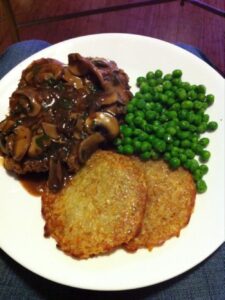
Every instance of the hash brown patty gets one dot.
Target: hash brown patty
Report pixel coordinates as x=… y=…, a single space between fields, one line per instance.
x=171 y=198
x=100 y=209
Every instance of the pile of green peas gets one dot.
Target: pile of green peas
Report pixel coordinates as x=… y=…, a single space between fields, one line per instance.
x=165 y=119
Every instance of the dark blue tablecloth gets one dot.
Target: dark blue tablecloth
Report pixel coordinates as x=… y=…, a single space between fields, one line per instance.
x=204 y=282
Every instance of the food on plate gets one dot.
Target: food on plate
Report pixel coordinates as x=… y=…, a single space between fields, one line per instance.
x=170 y=202
x=101 y=208
x=165 y=119
x=60 y=114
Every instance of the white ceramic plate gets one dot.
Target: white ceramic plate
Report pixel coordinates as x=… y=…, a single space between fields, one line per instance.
x=21 y=223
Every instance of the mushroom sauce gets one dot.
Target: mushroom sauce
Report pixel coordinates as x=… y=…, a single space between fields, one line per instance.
x=60 y=114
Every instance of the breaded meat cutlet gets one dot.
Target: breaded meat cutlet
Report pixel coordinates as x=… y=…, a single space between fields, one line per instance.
x=101 y=208
x=171 y=198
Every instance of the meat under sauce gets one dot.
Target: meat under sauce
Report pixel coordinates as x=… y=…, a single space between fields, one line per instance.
x=60 y=114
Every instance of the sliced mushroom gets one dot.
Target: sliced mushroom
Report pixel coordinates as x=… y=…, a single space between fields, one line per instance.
x=50 y=130
x=89 y=146
x=108 y=98
x=105 y=122
x=55 y=177
x=77 y=65
x=72 y=79
x=32 y=106
x=38 y=144
x=6 y=124
x=42 y=69
x=22 y=141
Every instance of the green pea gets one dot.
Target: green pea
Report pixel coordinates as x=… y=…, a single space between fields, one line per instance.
x=159 y=145
x=167 y=156
x=174 y=151
x=183 y=158
x=127 y=140
x=171 y=130
x=201 y=186
x=202 y=128
x=150 y=115
x=197 y=119
x=198 y=105
x=137 y=132
x=204 y=142
x=143 y=136
x=167 y=85
x=138 y=121
x=127 y=131
x=187 y=105
x=148 y=98
x=120 y=149
x=175 y=106
x=176 y=83
x=128 y=149
x=174 y=162
x=197 y=174
x=204 y=169
x=129 y=118
x=168 y=138
x=160 y=132
x=176 y=143
x=152 y=82
x=140 y=80
x=141 y=104
x=210 y=99
x=177 y=73
x=154 y=155
x=205 y=118
x=130 y=108
x=186 y=143
x=192 y=95
x=186 y=86
x=137 y=145
x=150 y=75
x=201 y=89
x=205 y=155
x=146 y=155
x=193 y=165
x=190 y=154
x=212 y=126
x=181 y=94
x=184 y=125
x=138 y=95
x=145 y=146
x=158 y=74
x=167 y=77
x=144 y=88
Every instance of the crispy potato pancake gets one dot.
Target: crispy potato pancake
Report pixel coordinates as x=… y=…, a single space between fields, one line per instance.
x=171 y=198
x=100 y=209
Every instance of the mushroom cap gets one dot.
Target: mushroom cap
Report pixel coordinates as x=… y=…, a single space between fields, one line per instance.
x=103 y=121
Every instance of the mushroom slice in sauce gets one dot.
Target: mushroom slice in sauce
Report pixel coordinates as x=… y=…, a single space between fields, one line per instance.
x=72 y=79
x=38 y=144
x=50 y=130
x=22 y=142
x=105 y=122
x=89 y=146
x=29 y=101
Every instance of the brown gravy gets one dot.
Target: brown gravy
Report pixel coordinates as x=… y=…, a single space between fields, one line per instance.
x=34 y=183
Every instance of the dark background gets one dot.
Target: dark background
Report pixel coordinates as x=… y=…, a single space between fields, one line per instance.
x=167 y=21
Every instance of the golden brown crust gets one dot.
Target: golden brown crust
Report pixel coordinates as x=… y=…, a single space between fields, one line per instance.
x=171 y=198
x=100 y=209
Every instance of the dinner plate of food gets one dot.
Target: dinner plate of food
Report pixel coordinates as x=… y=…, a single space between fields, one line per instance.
x=112 y=162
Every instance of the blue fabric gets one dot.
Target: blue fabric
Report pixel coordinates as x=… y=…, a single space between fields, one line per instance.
x=204 y=282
